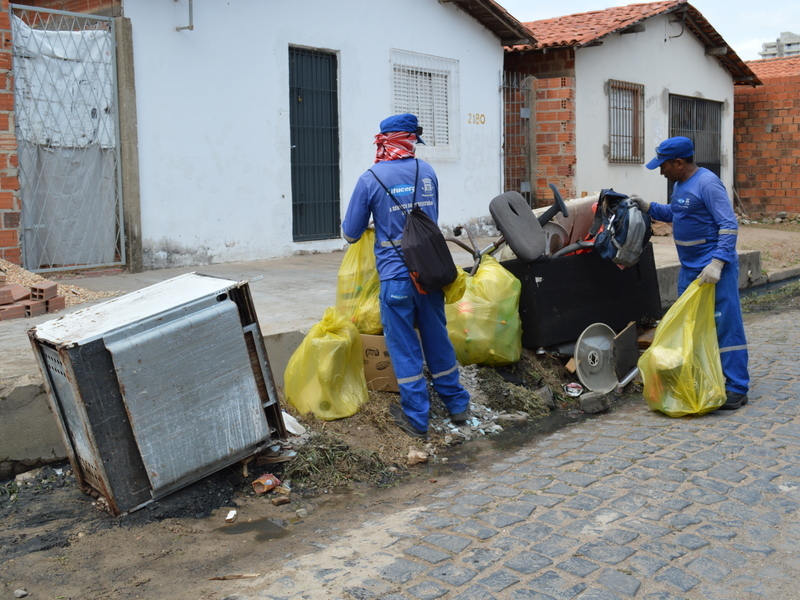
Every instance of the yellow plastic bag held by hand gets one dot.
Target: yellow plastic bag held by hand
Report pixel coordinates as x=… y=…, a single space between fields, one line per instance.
x=484 y=325
x=358 y=286
x=681 y=370
x=325 y=375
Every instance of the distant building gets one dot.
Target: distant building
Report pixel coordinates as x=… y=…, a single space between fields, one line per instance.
x=786 y=45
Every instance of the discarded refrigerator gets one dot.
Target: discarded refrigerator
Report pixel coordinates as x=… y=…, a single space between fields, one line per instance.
x=159 y=388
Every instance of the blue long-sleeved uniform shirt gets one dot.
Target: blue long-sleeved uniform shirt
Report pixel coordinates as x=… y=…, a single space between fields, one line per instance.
x=402 y=306
x=703 y=222
x=704 y=227
x=369 y=198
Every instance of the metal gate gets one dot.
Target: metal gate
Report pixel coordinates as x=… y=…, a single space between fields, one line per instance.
x=700 y=120
x=314 y=125
x=517 y=155
x=67 y=128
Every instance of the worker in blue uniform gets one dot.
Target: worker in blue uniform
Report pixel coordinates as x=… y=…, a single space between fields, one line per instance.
x=705 y=231
x=403 y=307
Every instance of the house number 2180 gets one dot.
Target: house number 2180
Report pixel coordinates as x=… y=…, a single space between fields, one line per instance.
x=476 y=118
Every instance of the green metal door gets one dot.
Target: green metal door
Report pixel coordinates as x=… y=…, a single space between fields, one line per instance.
x=314 y=122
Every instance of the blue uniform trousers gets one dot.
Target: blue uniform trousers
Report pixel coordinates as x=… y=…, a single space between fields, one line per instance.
x=730 y=328
x=403 y=307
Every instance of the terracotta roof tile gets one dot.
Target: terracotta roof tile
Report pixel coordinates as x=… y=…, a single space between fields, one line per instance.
x=584 y=28
x=587 y=28
x=786 y=66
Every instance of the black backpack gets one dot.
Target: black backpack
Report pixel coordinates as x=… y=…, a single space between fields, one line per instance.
x=626 y=229
x=424 y=249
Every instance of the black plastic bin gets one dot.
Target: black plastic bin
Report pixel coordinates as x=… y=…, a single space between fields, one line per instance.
x=563 y=296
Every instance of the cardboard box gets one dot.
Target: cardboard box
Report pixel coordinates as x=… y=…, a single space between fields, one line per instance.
x=378 y=369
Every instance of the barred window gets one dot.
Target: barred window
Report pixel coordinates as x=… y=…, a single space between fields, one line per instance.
x=626 y=107
x=427 y=86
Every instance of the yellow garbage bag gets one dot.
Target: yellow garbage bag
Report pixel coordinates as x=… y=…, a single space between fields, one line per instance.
x=358 y=286
x=453 y=292
x=325 y=375
x=484 y=325
x=681 y=370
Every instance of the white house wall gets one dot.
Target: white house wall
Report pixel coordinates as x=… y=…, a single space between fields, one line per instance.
x=213 y=115
x=666 y=62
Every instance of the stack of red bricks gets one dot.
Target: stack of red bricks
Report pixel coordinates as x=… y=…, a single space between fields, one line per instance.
x=17 y=301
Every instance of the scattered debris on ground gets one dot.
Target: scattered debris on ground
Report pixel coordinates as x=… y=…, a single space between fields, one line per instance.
x=364 y=448
x=369 y=447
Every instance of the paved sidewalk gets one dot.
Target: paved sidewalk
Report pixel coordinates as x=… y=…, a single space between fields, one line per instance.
x=631 y=504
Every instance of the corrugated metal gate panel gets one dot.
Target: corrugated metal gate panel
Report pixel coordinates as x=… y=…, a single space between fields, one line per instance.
x=67 y=130
x=314 y=123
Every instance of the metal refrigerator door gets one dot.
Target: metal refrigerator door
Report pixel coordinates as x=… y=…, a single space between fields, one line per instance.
x=191 y=395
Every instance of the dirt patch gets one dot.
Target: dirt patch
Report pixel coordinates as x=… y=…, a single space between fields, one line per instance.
x=56 y=541
x=782 y=298
x=779 y=244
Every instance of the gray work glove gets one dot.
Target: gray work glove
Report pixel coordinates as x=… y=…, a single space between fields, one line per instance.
x=712 y=272
x=643 y=204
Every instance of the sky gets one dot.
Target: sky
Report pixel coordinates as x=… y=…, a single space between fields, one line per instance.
x=744 y=24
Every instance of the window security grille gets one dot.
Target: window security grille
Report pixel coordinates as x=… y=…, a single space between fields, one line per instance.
x=626 y=104
x=700 y=120
x=427 y=86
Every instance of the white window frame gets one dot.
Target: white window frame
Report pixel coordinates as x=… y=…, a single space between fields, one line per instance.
x=428 y=86
x=626 y=122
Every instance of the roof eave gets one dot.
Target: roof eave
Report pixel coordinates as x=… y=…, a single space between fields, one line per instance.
x=715 y=45
x=497 y=20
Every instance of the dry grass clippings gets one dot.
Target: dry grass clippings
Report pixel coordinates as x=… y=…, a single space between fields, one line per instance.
x=369 y=447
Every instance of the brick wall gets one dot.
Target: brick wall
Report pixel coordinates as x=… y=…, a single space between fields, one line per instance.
x=554 y=137
x=112 y=8
x=9 y=182
x=553 y=115
x=767 y=140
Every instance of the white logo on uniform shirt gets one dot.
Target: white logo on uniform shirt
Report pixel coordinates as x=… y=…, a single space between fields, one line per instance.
x=684 y=202
x=427 y=186
x=402 y=190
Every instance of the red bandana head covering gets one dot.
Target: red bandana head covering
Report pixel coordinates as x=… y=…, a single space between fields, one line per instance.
x=394 y=145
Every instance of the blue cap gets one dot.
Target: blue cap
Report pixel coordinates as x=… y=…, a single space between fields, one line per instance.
x=674 y=147
x=405 y=122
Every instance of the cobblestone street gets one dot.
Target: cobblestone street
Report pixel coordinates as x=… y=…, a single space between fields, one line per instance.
x=631 y=504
